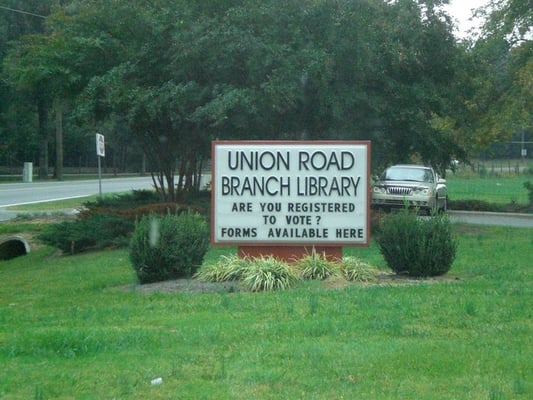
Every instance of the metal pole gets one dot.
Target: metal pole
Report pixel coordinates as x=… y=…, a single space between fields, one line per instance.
x=99 y=176
x=523 y=148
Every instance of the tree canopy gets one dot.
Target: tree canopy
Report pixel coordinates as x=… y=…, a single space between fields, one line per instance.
x=172 y=75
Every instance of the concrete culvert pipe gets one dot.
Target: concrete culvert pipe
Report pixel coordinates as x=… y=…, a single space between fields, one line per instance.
x=12 y=247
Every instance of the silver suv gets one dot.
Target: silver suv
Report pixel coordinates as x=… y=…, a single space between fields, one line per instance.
x=411 y=185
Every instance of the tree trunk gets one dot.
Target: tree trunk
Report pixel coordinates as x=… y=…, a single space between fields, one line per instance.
x=58 y=171
x=42 y=112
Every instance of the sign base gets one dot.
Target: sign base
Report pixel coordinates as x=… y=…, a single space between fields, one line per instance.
x=290 y=253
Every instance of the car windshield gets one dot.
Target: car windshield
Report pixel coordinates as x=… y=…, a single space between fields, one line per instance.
x=408 y=174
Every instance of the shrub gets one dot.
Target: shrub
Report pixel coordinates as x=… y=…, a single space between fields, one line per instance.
x=316 y=266
x=94 y=232
x=529 y=187
x=168 y=247
x=107 y=221
x=269 y=273
x=417 y=246
x=132 y=199
x=355 y=270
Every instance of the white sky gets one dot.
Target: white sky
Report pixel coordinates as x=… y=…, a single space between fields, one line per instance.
x=461 y=10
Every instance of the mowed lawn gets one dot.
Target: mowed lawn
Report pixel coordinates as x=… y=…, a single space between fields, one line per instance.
x=491 y=189
x=77 y=327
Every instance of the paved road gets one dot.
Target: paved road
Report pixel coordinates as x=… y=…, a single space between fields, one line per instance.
x=13 y=194
x=488 y=218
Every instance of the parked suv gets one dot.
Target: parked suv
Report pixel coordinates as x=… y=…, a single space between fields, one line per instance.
x=412 y=185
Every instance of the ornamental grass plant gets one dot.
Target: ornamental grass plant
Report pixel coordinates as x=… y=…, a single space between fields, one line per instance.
x=269 y=273
x=315 y=265
x=226 y=268
x=354 y=269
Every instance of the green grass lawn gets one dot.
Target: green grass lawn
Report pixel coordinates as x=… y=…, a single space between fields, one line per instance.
x=76 y=328
x=55 y=205
x=498 y=190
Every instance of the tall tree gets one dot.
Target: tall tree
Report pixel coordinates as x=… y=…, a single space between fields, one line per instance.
x=502 y=103
x=180 y=73
x=17 y=125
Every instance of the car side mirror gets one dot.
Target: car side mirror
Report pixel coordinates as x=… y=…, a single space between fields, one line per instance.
x=441 y=181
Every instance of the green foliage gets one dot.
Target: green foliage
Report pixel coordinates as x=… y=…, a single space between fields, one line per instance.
x=132 y=199
x=355 y=270
x=316 y=266
x=417 y=246
x=94 y=232
x=496 y=194
x=168 y=247
x=262 y=70
x=227 y=268
x=529 y=186
x=269 y=273
x=108 y=221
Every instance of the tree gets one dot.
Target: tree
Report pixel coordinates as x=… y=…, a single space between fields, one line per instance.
x=503 y=99
x=17 y=125
x=178 y=74
x=512 y=19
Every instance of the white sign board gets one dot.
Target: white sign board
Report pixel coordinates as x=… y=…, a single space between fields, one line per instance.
x=100 y=145
x=292 y=193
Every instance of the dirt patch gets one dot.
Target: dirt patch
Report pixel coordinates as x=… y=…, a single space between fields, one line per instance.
x=390 y=278
x=187 y=286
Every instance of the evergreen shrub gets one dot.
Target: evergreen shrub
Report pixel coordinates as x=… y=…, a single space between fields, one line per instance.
x=168 y=247
x=529 y=187
x=132 y=199
x=108 y=221
x=417 y=246
x=94 y=232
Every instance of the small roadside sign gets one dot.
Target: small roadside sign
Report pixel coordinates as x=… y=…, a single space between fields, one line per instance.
x=100 y=145
x=100 y=152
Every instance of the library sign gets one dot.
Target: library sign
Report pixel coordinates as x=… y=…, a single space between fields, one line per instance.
x=290 y=193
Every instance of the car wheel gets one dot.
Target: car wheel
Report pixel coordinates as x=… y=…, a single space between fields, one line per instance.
x=434 y=210
x=444 y=205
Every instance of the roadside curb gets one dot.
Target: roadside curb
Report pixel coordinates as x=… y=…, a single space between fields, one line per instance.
x=519 y=220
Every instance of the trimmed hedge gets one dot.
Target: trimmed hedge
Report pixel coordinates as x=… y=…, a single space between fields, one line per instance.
x=168 y=247
x=417 y=246
x=91 y=233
